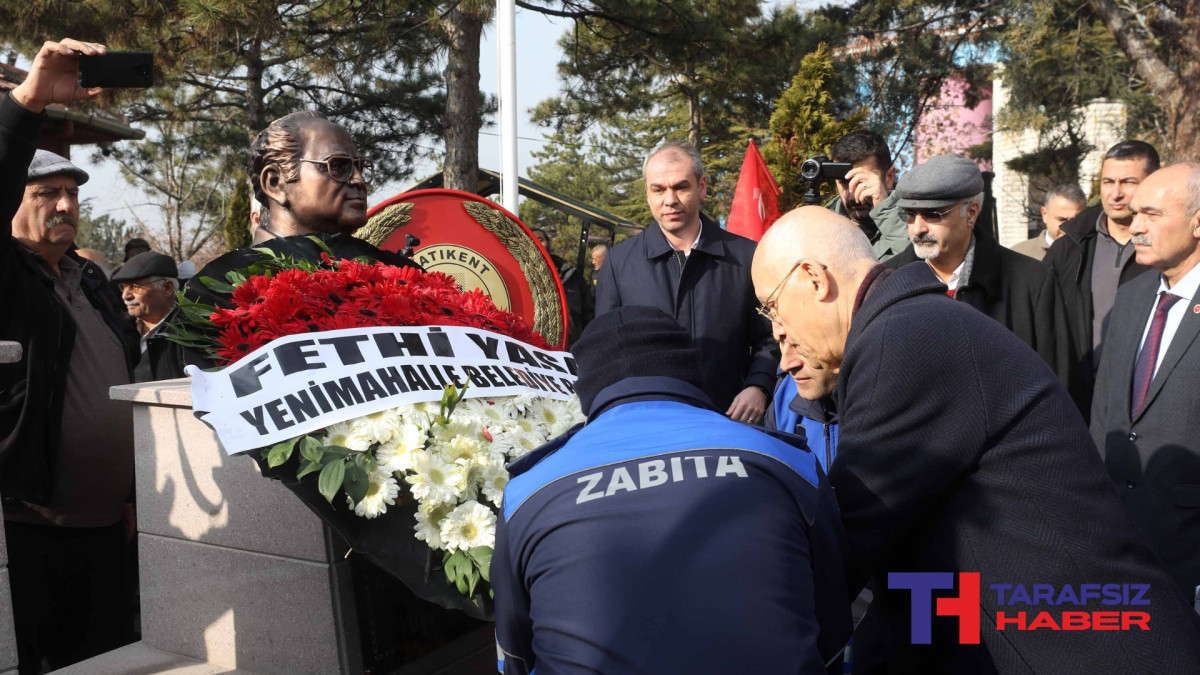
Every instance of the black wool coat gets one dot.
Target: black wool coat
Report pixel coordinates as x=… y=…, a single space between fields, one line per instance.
x=710 y=294
x=1071 y=258
x=32 y=391
x=1154 y=458
x=961 y=452
x=1021 y=294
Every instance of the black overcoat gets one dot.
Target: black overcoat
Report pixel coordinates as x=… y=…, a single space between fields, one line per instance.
x=960 y=452
x=1021 y=294
x=711 y=295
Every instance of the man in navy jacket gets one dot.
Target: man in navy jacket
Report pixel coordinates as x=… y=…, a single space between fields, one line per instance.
x=961 y=453
x=661 y=537
x=690 y=268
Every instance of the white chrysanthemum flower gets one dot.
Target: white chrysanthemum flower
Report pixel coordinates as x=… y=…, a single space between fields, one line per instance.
x=557 y=417
x=495 y=477
x=517 y=405
x=527 y=425
x=382 y=490
x=466 y=450
x=469 y=526
x=496 y=416
x=347 y=435
x=575 y=410
x=525 y=442
x=380 y=426
x=420 y=414
x=435 y=481
x=503 y=444
x=399 y=453
x=444 y=433
x=429 y=524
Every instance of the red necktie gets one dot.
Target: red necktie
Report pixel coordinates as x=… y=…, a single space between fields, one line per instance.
x=950 y=292
x=1143 y=370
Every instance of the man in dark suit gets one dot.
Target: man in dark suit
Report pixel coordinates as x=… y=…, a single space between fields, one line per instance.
x=690 y=268
x=958 y=452
x=1146 y=414
x=1093 y=258
x=941 y=200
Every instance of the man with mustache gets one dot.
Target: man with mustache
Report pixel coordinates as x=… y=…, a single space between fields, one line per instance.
x=66 y=448
x=942 y=199
x=699 y=274
x=1145 y=416
x=148 y=284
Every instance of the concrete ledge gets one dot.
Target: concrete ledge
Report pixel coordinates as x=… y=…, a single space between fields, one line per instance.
x=167 y=392
x=141 y=659
x=8 y=639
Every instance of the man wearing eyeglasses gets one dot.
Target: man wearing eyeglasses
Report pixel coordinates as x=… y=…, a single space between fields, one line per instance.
x=148 y=284
x=312 y=182
x=66 y=448
x=942 y=199
x=960 y=460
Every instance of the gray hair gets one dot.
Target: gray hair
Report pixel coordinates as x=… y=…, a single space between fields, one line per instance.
x=170 y=281
x=1068 y=191
x=678 y=146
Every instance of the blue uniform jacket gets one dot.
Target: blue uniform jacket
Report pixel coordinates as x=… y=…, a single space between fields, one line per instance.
x=816 y=420
x=663 y=537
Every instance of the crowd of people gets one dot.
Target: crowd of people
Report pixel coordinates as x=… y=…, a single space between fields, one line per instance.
x=774 y=429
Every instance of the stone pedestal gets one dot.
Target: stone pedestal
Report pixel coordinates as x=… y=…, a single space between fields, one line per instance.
x=10 y=352
x=236 y=574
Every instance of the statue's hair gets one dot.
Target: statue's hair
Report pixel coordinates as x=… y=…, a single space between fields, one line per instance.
x=279 y=144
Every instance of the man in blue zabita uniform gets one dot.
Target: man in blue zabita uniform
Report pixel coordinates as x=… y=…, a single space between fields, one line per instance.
x=663 y=537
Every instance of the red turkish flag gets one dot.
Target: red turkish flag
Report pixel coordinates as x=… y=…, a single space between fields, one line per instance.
x=756 y=199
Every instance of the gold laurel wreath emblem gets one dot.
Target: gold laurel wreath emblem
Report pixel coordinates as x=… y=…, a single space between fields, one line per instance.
x=547 y=313
x=384 y=224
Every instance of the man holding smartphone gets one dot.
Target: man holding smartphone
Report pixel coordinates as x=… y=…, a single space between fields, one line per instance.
x=66 y=449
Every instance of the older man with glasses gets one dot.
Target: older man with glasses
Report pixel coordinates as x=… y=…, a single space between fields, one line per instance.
x=941 y=200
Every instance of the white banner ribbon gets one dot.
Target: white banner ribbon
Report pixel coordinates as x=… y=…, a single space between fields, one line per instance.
x=303 y=383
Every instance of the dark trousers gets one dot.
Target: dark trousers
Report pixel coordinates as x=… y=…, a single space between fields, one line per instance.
x=69 y=592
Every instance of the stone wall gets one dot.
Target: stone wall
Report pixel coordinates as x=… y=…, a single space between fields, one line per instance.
x=1103 y=126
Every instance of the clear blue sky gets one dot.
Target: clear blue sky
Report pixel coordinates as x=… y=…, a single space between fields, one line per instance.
x=537 y=79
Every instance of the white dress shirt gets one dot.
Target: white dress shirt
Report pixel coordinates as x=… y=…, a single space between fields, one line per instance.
x=1186 y=289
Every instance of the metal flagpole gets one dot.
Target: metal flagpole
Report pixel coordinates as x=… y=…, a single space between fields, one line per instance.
x=506 y=24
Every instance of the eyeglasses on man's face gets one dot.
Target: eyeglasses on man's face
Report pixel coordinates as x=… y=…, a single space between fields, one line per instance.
x=929 y=215
x=768 y=307
x=342 y=168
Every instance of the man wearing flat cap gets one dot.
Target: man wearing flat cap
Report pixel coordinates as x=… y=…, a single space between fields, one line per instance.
x=662 y=536
x=148 y=283
x=66 y=448
x=941 y=200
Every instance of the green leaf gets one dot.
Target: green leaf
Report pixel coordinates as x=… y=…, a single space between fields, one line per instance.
x=310 y=467
x=265 y=251
x=280 y=453
x=355 y=481
x=322 y=245
x=482 y=557
x=330 y=480
x=472 y=581
x=235 y=277
x=336 y=451
x=216 y=286
x=310 y=449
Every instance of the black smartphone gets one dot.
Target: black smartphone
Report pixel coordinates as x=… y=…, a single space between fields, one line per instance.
x=117 y=70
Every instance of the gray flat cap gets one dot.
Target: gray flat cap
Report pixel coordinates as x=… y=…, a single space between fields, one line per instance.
x=941 y=181
x=149 y=264
x=46 y=163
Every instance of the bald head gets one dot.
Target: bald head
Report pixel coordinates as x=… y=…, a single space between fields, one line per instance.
x=807 y=271
x=813 y=232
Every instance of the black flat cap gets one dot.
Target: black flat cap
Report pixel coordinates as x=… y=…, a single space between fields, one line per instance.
x=137 y=242
x=46 y=163
x=148 y=264
x=941 y=181
x=633 y=342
